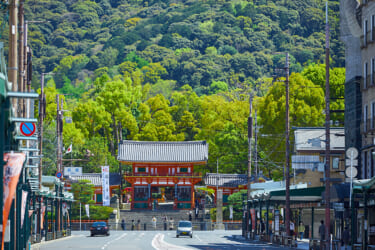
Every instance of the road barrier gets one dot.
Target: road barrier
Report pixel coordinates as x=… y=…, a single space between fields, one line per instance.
x=148 y=226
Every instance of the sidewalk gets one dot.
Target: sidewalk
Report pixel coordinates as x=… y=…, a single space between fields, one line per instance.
x=304 y=244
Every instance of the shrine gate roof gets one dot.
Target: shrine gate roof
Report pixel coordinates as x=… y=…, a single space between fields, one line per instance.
x=163 y=152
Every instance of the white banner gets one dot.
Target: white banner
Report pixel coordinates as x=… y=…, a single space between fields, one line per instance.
x=64 y=208
x=87 y=210
x=23 y=206
x=105 y=185
x=231 y=212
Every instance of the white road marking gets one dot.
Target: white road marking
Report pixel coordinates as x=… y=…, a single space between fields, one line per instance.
x=197 y=237
x=159 y=244
x=111 y=241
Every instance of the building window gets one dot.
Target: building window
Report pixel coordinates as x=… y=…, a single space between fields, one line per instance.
x=372 y=164
x=335 y=162
x=372 y=27
x=372 y=71
x=141 y=170
x=364 y=173
x=372 y=115
x=365 y=117
x=365 y=74
x=183 y=170
x=365 y=28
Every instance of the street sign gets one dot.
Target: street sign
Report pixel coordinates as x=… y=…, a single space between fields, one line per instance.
x=351 y=172
x=27 y=128
x=59 y=175
x=352 y=153
x=351 y=162
x=339 y=207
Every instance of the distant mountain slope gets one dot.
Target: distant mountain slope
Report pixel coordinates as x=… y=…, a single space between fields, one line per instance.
x=191 y=42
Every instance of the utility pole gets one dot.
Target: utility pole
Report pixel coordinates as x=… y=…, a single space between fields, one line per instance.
x=327 y=141
x=21 y=68
x=256 y=147
x=287 y=145
x=13 y=39
x=59 y=130
x=249 y=138
x=40 y=134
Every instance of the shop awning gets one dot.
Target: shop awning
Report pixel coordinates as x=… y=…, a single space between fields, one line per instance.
x=302 y=194
x=364 y=184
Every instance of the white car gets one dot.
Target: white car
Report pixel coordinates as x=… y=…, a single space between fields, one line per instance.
x=184 y=228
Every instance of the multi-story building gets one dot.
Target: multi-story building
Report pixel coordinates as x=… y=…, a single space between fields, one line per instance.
x=358 y=34
x=366 y=11
x=309 y=156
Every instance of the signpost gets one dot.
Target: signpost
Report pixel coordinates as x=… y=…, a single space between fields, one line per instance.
x=351 y=171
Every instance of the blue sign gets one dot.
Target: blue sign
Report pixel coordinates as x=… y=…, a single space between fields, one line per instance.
x=27 y=128
x=59 y=175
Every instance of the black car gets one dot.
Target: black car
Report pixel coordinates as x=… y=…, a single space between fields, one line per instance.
x=99 y=227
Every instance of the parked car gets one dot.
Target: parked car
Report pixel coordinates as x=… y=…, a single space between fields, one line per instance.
x=99 y=227
x=184 y=228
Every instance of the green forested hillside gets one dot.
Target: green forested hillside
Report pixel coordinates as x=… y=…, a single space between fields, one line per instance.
x=182 y=70
x=193 y=42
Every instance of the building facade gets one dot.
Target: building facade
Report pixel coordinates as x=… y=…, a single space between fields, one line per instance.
x=358 y=34
x=162 y=172
x=309 y=156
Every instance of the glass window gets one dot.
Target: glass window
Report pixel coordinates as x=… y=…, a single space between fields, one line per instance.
x=183 y=170
x=365 y=73
x=335 y=163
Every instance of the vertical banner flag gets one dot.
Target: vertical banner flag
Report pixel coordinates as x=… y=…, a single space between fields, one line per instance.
x=23 y=206
x=231 y=212
x=12 y=169
x=42 y=216
x=87 y=210
x=252 y=212
x=105 y=185
x=64 y=208
x=277 y=220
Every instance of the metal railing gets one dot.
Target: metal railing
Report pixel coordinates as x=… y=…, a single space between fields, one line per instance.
x=159 y=226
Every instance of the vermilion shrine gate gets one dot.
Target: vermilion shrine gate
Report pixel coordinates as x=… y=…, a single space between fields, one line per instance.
x=162 y=171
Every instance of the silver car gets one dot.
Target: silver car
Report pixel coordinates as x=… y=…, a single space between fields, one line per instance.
x=184 y=228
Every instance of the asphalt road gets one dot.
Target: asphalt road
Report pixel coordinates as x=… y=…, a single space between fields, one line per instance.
x=147 y=240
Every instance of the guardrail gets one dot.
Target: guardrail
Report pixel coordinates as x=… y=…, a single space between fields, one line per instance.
x=159 y=226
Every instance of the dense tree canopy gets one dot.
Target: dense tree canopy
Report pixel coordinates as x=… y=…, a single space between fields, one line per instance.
x=166 y=70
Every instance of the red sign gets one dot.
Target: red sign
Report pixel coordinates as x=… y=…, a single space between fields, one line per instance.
x=27 y=128
x=59 y=175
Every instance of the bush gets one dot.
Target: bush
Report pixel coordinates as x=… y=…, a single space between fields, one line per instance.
x=96 y=212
